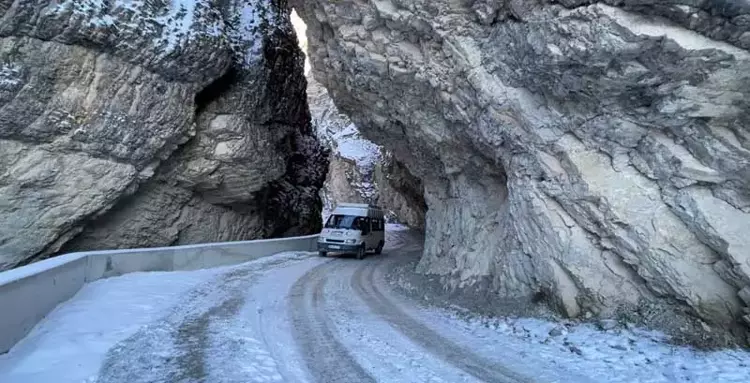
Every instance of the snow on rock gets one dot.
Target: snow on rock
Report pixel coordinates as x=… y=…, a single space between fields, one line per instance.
x=337 y=133
x=10 y=75
x=246 y=24
x=178 y=23
x=349 y=144
x=353 y=159
x=174 y=24
x=363 y=156
x=359 y=170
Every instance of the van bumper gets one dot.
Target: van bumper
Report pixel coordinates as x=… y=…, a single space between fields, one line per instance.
x=337 y=247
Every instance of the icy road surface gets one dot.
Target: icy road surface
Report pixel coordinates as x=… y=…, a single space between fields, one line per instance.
x=296 y=317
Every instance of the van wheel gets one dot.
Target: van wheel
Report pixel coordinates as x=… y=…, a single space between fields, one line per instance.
x=379 y=249
x=361 y=252
x=322 y=253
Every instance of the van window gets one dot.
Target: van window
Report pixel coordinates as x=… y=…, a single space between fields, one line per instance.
x=377 y=224
x=339 y=221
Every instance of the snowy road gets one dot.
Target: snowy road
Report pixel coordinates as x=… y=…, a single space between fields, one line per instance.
x=302 y=318
x=344 y=297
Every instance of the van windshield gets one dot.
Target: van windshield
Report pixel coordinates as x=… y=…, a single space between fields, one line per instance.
x=338 y=221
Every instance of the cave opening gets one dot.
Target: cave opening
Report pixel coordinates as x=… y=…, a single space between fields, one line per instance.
x=215 y=89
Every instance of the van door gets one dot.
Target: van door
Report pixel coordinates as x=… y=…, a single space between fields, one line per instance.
x=378 y=231
x=367 y=234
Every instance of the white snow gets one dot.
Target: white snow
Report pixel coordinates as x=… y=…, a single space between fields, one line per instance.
x=396 y=227
x=246 y=32
x=176 y=23
x=173 y=26
x=240 y=350
x=71 y=342
x=268 y=320
x=345 y=141
x=236 y=354
x=381 y=350
x=255 y=344
x=10 y=75
x=349 y=144
x=617 y=355
x=339 y=134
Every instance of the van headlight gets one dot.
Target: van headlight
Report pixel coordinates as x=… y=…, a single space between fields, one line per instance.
x=351 y=241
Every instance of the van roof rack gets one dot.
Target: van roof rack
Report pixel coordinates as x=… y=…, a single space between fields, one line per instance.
x=352 y=204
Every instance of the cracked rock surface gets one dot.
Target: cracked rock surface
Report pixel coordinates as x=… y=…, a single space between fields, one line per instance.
x=592 y=153
x=133 y=124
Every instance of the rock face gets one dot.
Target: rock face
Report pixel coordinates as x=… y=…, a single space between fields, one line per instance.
x=594 y=153
x=400 y=192
x=352 y=158
x=129 y=123
x=360 y=171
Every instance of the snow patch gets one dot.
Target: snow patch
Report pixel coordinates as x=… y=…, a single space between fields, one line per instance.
x=173 y=26
x=178 y=23
x=620 y=354
x=247 y=27
x=10 y=75
x=349 y=144
x=237 y=355
x=383 y=351
x=396 y=227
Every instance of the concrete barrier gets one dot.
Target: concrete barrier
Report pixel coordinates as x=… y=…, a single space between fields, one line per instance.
x=29 y=293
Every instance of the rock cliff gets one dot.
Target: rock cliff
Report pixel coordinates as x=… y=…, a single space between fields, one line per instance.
x=594 y=154
x=146 y=123
x=359 y=170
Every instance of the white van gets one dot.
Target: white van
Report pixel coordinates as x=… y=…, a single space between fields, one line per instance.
x=353 y=228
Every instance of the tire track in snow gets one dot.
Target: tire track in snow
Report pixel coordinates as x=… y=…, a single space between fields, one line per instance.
x=175 y=348
x=326 y=358
x=363 y=282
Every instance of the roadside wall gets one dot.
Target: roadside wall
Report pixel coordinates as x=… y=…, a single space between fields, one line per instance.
x=28 y=293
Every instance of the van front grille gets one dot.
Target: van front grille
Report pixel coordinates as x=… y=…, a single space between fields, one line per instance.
x=335 y=240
